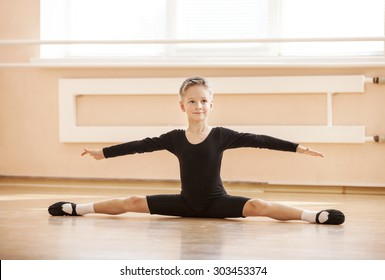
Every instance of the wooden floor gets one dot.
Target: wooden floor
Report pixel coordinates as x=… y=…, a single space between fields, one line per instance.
x=28 y=232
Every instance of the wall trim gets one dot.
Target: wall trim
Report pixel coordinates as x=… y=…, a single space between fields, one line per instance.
x=70 y=89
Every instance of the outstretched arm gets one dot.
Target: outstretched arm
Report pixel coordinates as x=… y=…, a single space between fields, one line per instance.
x=165 y=141
x=233 y=139
x=308 y=151
x=95 y=153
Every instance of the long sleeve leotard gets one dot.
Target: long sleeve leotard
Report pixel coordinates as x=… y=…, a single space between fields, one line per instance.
x=200 y=164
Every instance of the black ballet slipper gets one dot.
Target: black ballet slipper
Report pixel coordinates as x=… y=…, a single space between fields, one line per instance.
x=335 y=217
x=56 y=209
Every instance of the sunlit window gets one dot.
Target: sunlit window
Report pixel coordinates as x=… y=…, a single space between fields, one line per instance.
x=211 y=19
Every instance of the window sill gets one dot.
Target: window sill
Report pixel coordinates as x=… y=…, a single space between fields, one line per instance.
x=289 y=62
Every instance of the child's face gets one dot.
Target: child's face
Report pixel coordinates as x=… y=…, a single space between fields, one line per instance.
x=196 y=103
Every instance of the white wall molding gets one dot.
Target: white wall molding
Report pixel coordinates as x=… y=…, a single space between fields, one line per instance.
x=69 y=89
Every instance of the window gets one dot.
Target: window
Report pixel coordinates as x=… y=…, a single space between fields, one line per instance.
x=211 y=19
x=330 y=18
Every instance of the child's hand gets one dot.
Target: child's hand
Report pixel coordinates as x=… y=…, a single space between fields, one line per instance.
x=308 y=151
x=96 y=154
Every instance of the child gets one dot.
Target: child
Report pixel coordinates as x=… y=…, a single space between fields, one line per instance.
x=199 y=150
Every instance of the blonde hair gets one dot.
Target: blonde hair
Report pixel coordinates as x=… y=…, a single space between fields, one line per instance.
x=195 y=81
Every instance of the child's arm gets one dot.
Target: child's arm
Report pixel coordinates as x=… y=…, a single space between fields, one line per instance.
x=165 y=141
x=308 y=151
x=234 y=139
x=95 y=153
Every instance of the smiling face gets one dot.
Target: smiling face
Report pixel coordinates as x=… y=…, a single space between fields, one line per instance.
x=197 y=103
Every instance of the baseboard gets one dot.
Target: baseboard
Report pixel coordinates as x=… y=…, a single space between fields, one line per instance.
x=35 y=181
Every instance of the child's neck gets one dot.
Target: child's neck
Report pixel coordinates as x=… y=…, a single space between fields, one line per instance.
x=198 y=128
x=196 y=134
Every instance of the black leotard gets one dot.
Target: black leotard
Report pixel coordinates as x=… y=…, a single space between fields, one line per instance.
x=200 y=164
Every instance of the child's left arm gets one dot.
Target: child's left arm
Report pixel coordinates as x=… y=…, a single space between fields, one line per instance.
x=308 y=151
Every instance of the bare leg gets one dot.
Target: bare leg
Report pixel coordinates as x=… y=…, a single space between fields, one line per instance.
x=122 y=205
x=258 y=207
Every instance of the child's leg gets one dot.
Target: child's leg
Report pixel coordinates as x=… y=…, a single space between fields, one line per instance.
x=112 y=207
x=282 y=212
x=120 y=206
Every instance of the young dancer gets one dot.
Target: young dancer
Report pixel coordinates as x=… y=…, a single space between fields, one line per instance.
x=199 y=150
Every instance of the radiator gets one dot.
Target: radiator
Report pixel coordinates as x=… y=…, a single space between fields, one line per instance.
x=69 y=89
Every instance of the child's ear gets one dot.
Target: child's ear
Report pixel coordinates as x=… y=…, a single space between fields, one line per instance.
x=181 y=106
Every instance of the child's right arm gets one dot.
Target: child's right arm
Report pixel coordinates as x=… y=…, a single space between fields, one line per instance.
x=163 y=142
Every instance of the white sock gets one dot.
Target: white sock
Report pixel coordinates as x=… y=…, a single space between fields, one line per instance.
x=310 y=216
x=81 y=209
